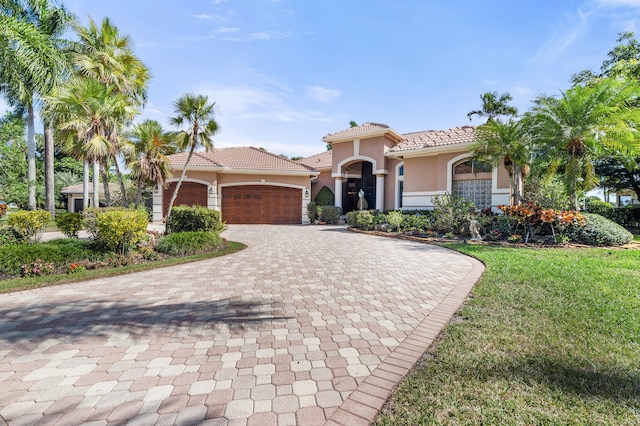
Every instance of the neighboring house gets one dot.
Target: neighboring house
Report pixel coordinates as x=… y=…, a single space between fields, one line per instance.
x=248 y=185
x=74 y=195
x=405 y=171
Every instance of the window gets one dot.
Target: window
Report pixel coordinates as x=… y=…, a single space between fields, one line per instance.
x=401 y=171
x=467 y=184
x=471 y=166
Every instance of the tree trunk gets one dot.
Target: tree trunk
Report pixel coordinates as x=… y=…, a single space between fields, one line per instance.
x=49 y=179
x=96 y=183
x=85 y=184
x=105 y=183
x=175 y=191
x=31 y=157
x=125 y=202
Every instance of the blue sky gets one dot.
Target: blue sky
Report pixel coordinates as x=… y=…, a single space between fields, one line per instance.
x=285 y=73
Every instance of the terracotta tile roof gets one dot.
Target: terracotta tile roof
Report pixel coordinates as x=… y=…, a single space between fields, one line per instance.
x=240 y=158
x=318 y=161
x=433 y=138
x=363 y=129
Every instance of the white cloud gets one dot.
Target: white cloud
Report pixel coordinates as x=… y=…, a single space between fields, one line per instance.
x=322 y=94
x=571 y=30
x=619 y=3
x=202 y=16
x=227 y=30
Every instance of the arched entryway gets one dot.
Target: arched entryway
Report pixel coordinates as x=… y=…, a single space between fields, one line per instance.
x=358 y=175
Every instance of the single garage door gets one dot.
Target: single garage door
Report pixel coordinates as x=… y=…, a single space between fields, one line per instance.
x=190 y=194
x=261 y=204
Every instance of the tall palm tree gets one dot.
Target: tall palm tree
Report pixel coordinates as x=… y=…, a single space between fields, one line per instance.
x=146 y=154
x=506 y=143
x=30 y=62
x=583 y=123
x=87 y=114
x=194 y=119
x=105 y=55
x=494 y=105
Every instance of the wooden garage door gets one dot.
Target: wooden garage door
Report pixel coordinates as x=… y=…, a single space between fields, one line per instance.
x=190 y=194
x=261 y=204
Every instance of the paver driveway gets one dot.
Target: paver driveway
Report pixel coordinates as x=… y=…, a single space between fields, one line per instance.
x=308 y=325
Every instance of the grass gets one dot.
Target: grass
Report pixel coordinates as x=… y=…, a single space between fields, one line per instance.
x=549 y=337
x=44 y=281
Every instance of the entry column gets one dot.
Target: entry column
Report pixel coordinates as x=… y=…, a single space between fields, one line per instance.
x=338 y=192
x=380 y=192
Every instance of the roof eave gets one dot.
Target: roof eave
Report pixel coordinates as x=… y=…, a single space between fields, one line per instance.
x=338 y=139
x=430 y=150
x=229 y=170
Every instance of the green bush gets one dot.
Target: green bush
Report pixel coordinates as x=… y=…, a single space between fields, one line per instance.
x=120 y=230
x=418 y=221
x=599 y=207
x=192 y=219
x=59 y=252
x=627 y=216
x=188 y=243
x=352 y=217
x=91 y=218
x=451 y=213
x=599 y=231
x=366 y=219
x=395 y=219
x=9 y=235
x=30 y=223
x=329 y=214
x=312 y=211
x=70 y=223
x=325 y=197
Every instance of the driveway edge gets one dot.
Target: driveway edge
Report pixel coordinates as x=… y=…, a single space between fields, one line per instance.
x=364 y=403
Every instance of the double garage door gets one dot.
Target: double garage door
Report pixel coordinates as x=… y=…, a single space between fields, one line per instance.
x=261 y=204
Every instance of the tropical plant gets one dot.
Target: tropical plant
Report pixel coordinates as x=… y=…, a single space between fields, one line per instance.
x=506 y=143
x=494 y=105
x=31 y=61
x=194 y=119
x=584 y=123
x=146 y=151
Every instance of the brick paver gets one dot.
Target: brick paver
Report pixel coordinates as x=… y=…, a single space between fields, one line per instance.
x=308 y=325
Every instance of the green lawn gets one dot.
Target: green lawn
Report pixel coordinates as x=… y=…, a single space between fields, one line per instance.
x=550 y=336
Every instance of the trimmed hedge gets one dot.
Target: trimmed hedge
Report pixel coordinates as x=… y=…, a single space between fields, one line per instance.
x=329 y=214
x=59 y=252
x=30 y=223
x=194 y=219
x=70 y=223
x=188 y=243
x=599 y=231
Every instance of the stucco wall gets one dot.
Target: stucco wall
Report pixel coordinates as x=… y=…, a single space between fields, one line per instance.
x=324 y=179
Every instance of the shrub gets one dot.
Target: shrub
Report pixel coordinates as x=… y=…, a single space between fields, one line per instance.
x=365 y=219
x=312 y=211
x=70 y=223
x=3 y=209
x=30 y=223
x=330 y=214
x=599 y=231
x=352 y=217
x=420 y=222
x=188 y=243
x=627 y=216
x=325 y=197
x=549 y=192
x=37 y=268
x=451 y=213
x=599 y=207
x=395 y=219
x=193 y=219
x=9 y=235
x=59 y=252
x=91 y=218
x=120 y=230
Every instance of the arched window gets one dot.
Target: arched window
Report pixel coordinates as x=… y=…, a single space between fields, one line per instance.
x=472 y=180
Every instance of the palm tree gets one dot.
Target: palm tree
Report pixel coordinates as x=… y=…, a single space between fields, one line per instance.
x=146 y=154
x=494 y=106
x=87 y=114
x=194 y=119
x=31 y=61
x=506 y=143
x=585 y=122
x=106 y=56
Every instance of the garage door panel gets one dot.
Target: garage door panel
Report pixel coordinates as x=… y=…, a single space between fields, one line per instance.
x=255 y=204
x=190 y=194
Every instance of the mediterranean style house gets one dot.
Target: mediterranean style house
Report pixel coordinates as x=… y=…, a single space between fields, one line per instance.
x=395 y=171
